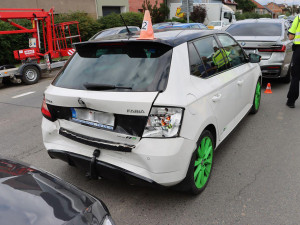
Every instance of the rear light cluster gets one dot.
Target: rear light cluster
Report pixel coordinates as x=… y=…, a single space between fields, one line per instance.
x=279 y=48
x=45 y=111
x=163 y=122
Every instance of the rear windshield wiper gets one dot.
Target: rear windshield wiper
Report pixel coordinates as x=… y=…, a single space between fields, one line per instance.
x=99 y=87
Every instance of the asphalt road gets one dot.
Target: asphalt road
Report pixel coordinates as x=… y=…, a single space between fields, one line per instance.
x=255 y=179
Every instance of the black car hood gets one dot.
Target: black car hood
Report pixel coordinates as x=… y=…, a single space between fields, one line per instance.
x=30 y=196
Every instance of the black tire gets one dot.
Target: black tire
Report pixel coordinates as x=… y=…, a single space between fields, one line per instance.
x=189 y=183
x=288 y=76
x=31 y=75
x=255 y=109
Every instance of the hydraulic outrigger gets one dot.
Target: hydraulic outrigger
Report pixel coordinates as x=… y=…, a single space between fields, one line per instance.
x=57 y=40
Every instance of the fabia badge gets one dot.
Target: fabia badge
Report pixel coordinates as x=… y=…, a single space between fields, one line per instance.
x=81 y=102
x=135 y=111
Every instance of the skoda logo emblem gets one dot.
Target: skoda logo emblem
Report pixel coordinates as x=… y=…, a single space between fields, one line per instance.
x=81 y=102
x=243 y=43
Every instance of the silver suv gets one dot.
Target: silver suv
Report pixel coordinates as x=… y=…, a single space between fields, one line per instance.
x=268 y=38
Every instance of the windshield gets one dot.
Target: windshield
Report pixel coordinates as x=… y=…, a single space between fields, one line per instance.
x=255 y=29
x=214 y=24
x=137 y=66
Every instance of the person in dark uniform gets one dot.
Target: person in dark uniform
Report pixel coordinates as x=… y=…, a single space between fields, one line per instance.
x=294 y=34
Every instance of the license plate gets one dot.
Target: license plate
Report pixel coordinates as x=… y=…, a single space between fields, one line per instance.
x=93 y=118
x=249 y=51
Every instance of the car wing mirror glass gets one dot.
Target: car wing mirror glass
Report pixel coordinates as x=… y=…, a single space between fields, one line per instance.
x=254 y=58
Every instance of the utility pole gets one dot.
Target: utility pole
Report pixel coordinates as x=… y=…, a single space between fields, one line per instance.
x=187 y=12
x=187 y=7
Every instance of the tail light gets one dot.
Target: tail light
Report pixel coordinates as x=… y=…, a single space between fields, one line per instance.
x=163 y=122
x=45 y=111
x=279 y=48
x=273 y=67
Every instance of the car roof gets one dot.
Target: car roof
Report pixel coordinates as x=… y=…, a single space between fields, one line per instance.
x=185 y=24
x=261 y=20
x=171 y=37
x=116 y=28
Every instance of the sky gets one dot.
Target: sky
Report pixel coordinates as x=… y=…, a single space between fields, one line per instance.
x=289 y=2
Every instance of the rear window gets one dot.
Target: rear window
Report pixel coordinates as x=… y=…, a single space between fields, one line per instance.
x=123 y=66
x=255 y=29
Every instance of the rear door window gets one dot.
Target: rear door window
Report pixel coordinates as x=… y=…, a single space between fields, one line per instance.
x=137 y=66
x=211 y=54
x=233 y=51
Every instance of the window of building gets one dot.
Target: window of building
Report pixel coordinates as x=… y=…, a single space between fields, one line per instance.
x=106 y=10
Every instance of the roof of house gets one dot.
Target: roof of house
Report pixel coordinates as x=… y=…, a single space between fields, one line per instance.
x=229 y=2
x=259 y=6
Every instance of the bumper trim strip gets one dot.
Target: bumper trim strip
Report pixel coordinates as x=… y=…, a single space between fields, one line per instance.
x=95 y=142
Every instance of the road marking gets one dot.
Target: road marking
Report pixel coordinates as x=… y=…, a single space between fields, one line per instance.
x=24 y=94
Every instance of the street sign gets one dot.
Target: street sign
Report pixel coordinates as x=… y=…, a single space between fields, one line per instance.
x=187 y=4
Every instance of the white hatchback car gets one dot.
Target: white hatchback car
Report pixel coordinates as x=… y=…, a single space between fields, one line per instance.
x=150 y=111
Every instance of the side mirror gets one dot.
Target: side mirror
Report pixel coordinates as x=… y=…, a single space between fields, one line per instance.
x=254 y=58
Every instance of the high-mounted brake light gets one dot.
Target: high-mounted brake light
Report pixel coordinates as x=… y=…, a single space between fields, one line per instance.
x=45 y=111
x=280 y=48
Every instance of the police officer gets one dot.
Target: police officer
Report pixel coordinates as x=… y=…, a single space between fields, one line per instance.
x=294 y=34
x=219 y=58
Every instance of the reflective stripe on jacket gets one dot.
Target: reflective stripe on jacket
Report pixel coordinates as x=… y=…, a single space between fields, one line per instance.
x=218 y=58
x=295 y=29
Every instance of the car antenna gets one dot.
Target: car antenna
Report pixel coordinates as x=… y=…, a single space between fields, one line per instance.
x=129 y=32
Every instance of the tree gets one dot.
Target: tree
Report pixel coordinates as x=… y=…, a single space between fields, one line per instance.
x=158 y=14
x=114 y=20
x=245 y=5
x=199 y=14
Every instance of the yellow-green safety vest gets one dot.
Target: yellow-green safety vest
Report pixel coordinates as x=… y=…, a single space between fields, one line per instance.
x=295 y=29
x=218 y=58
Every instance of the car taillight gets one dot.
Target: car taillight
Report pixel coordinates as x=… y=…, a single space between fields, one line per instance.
x=45 y=111
x=163 y=122
x=280 y=48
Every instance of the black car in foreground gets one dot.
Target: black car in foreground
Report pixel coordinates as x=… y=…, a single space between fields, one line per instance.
x=29 y=196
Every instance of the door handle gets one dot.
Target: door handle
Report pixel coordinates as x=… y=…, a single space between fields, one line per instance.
x=240 y=82
x=216 y=97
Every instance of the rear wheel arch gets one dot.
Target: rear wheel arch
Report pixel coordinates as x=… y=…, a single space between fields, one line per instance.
x=213 y=131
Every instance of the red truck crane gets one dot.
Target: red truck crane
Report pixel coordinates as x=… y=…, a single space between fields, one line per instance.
x=57 y=42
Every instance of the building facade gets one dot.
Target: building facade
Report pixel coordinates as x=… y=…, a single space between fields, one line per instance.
x=105 y=7
x=231 y=4
x=260 y=9
x=136 y=5
x=275 y=9
x=60 y=6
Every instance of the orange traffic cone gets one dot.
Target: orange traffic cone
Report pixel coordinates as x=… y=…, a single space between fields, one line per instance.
x=268 y=89
x=146 y=30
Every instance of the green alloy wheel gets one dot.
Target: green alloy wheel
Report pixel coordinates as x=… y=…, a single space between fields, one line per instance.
x=200 y=167
x=203 y=163
x=256 y=100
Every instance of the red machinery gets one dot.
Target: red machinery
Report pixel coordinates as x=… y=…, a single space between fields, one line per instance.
x=57 y=38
